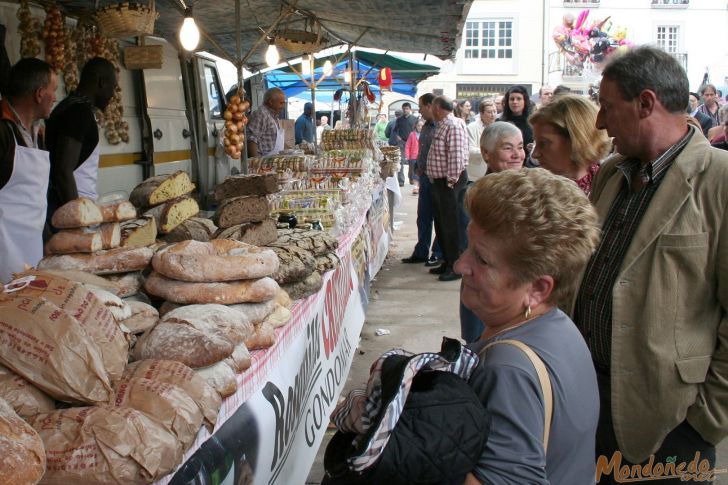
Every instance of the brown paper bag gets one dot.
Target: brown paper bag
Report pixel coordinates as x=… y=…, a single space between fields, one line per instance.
x=26 y=399
x=166 y=403
x=48 y=347
x=172 y=372
x=105 y=445
x=80 y=303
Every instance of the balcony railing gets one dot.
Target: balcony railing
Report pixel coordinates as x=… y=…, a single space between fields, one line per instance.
x=581 y=3
x=670 y=3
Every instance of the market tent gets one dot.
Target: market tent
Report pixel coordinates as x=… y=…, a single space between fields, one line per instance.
x=405 y=74
x=432 y=26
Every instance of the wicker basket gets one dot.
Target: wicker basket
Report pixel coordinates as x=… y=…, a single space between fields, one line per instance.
x=126 y=19
x=300 y=41
x=143 y=57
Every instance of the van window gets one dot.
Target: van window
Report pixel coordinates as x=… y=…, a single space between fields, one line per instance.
x=214 y=95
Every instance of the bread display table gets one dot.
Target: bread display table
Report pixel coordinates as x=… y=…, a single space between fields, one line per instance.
x=270 y=430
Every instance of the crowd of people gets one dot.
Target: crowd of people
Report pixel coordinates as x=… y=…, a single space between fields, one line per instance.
x=593 y=232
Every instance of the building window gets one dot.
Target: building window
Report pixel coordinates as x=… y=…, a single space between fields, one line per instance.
x=670 y=3
x=668 y=38
x=489 y=39
x=581 y=3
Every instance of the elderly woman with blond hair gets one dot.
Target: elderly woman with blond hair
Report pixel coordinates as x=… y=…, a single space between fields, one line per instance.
x=530 y=234
x=567 y=140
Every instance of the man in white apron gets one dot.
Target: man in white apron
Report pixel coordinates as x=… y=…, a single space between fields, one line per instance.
x=24 y=168
x=264 y=133
x=73 y=135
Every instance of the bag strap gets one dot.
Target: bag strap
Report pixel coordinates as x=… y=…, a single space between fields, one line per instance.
x=543 y=378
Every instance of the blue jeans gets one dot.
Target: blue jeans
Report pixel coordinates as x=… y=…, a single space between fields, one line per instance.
x=411 y=174
x=463 y=219
x=425 y=222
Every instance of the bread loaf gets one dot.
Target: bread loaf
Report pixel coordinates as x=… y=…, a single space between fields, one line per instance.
x=217 y=260
x=161 y=188
x=184 y=343
x=81 y=212
x=263 y=337
x=220 y=377
x=74 y=241
x=182 y=376
x=22 y=456
x=327 y=262
x=81 y=277
x=296 y=264
x=26 y=399
x=256 y=233
x=283 y=299
x=117 y=211
x=106 y=445
x=239 y=360
x=127 y=284
x=110 y=235
x=49 y=348
x=305 y=288
x=143 y=317
x=231 y=322
x=139 y=232
x=237 y=185
x=229 y=292
x=318 y=242
x=167 y=307
x=256 y=312
x=172 y=213
x=194 y=228
x=166 y=403
x=118 y=307
x=239 y=210
x=84 y=305
x=279 y=317
x=119 y=260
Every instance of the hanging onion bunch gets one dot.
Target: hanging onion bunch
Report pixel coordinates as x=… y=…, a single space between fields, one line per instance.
x=54 y=33
x=70 y=70
x=29 y=30
x=235 y=121
x=115 y=128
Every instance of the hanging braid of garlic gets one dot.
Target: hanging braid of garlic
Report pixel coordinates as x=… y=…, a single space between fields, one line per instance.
x=29 y=30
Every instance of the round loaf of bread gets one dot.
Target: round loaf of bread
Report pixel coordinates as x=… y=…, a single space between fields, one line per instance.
x=22 y=455
x=119 y=260
x=217 y=260
x=225 y=292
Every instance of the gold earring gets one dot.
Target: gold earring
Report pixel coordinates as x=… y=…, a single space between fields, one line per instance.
x=528 y=312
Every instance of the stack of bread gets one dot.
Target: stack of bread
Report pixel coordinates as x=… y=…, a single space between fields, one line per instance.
x=127 y=424
x=304 y=255
x=166 y=199
x=243 y=212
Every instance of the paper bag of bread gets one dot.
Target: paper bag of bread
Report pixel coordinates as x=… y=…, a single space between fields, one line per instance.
x=22 y=457
x=26 y=399
x=82 y=304
x=48 y=347
x=172 y=372
x=105 y=445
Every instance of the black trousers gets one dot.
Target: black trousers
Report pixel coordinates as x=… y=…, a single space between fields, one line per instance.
x=445 y=202
x=681 y=446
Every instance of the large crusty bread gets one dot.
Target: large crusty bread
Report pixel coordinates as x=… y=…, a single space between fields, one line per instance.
x=139 y=232
x=318 y=242
x=118 y=211
x=263 y=337
x=119 y=260
x=22 y=456
x=184 y=343
x=220 y=377
x=237 y=185
x=256 y=233
x=172 y=213
x=296 y=264
x=143 y=317
x=110 y=235
x=125 y=284
x=194 y=228
x=239 y=210
x=81 y=212
x=305 y=288
x=70 y=241
x=217 y=260
x=161 y=188
x=230 y=321
x=226 y=292
x=240 y=359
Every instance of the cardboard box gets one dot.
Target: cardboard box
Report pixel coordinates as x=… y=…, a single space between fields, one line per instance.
x=290 y=131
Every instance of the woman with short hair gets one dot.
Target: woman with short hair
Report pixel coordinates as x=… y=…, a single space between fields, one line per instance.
x=530 y=234
x=567 y=140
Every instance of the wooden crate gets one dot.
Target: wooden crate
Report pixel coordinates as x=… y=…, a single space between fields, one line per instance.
x=143 y=57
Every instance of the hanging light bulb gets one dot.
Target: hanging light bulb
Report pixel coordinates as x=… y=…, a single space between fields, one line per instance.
x=306 y=65
x=328 y=68
x=189 y=34
x=271 y=55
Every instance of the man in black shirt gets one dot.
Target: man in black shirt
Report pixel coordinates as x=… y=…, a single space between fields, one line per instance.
x=72 y=134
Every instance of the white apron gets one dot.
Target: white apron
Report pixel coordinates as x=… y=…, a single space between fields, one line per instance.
x=23 y=205
x=280 y=140
x=87 y=174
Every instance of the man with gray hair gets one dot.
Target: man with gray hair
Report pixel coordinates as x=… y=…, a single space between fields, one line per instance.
x=652 y=303
x=446 y=164
x=24 y=168
x=264 y=133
